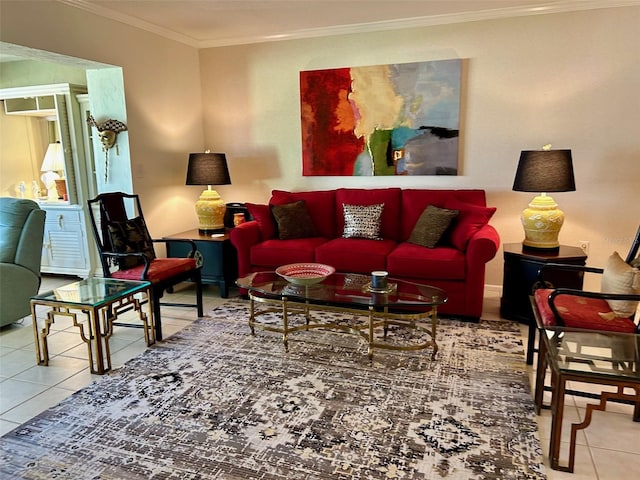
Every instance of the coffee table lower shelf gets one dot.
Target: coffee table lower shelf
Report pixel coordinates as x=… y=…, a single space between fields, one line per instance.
x=377 y=318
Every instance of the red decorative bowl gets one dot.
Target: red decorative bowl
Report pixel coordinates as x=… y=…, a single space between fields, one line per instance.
x=305 y=273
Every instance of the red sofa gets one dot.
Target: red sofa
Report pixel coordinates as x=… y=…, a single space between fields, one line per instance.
x=456 y=264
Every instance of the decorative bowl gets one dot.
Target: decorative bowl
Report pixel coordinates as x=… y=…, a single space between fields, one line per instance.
x=305 y=273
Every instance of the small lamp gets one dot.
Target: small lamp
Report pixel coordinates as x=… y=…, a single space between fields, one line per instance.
x=53 y=165
x=543 y=171
x=209 y=169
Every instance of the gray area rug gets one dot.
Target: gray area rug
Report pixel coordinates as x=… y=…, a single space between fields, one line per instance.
x=213 y=402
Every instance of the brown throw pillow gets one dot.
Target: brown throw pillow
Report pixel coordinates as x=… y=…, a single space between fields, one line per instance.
x=431 y=225
x=131 y=236
x=293 y=220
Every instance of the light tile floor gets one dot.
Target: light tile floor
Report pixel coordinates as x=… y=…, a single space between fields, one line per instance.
x=609 y=449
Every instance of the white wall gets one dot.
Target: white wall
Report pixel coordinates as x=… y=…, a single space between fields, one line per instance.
x=566 y=79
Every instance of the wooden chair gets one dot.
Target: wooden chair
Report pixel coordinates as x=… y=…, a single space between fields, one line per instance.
x=591 y=310
x=127 y=253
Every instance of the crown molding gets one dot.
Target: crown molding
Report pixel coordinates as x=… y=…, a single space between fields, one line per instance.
x=544 y=8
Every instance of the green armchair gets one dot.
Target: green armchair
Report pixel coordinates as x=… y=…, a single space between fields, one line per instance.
x=21 y=232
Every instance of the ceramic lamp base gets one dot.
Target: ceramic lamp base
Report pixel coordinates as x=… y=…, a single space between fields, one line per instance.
x=542 y=221
x=210 y=209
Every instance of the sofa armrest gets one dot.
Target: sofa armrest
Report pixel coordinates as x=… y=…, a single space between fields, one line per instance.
x=243 y=237
x=17 y=285
x=483 y=245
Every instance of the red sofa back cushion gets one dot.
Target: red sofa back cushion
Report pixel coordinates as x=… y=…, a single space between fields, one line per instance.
x=390 y=220
x=414 y=201
x=320 y=203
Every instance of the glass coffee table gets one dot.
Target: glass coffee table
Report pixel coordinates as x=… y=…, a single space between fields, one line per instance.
x=595 y=357
x=92 y=304
x=404 y=304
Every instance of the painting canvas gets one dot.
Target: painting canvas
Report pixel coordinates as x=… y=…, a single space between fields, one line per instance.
x=397 y=119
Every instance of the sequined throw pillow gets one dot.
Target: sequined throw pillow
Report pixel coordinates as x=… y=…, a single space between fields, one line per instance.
x=362 y=221
x=131 y=236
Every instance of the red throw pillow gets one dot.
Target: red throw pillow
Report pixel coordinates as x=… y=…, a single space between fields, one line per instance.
x=470 y=219
x=262 y=215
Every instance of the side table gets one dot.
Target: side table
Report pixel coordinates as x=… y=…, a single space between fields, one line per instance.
x=93 y=304
x=220 y=261
x=521 y=266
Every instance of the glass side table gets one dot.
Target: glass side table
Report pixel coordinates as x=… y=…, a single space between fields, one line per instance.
x=93 y=304
x=585 y=356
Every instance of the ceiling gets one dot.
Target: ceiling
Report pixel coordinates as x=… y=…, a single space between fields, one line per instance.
x=212 y=23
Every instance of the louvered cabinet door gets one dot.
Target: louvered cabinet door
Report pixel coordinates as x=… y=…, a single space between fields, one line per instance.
x=65 y=244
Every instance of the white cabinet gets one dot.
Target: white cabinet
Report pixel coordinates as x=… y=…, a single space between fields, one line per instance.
x=65 y=246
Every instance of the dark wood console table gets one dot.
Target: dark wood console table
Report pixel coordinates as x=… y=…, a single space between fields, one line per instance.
x=521 y=266
x=220 y=261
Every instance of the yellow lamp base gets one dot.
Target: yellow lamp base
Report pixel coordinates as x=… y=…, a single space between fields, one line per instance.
x=210 y=209
x=542 y=222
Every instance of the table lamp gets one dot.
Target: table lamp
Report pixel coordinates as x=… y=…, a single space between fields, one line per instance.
x=53 y=166
x=543 y=171
x=209 y=169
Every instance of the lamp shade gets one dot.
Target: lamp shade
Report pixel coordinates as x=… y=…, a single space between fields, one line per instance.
x=53 y=158
x=545 y=171
x=208 y=169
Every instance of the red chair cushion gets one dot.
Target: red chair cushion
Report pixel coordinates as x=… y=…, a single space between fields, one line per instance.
x=161 y=269
x=580 y=312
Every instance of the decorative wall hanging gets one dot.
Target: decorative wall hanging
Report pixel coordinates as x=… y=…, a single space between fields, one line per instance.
x=398 y=119
x=108 y=133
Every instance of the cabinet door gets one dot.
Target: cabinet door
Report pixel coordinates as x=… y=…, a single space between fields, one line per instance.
x=64 y=249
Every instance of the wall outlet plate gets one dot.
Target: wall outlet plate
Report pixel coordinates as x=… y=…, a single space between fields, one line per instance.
x=584 y=245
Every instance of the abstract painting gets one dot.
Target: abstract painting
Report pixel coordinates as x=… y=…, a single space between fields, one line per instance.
x=397 y=119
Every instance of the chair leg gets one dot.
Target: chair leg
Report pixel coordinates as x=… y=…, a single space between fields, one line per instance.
x=198 y=280
x=531 y=342
x=157 y=295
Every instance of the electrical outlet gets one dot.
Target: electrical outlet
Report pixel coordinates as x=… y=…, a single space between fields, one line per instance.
x=584 y=245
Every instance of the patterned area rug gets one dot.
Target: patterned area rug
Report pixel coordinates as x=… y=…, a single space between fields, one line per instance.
x=213 y=402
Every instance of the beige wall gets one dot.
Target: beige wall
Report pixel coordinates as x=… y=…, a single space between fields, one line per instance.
x=566 y=79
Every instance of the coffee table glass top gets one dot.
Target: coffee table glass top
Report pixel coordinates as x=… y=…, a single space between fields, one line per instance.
x=594 y=353
x=346 y=288
x=92 y=291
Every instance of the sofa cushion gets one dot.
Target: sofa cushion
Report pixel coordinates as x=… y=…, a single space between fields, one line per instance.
x=580 y=312
x=293 y=220
x=470 y=219
x=620 y=277
x=362 y=221
x=413 y=261
x=390 y=219
x=355 y=255
x=274 y=253
x=431 y=226
x=320 y=204
x=414 y=201
x=262 y=214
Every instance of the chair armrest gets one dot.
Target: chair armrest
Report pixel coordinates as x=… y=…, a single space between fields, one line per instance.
x=542 y=283
x=194 y=248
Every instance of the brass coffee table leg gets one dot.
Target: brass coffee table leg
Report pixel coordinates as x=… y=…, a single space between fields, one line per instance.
x=285 y=321
x=371 y=319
